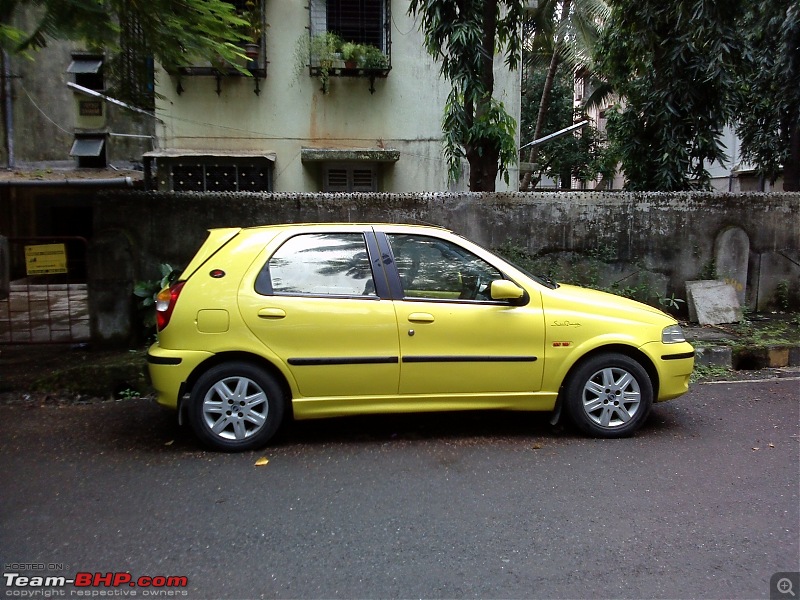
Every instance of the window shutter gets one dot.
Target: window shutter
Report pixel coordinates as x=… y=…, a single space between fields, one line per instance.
x=344 y=178
x=336 y=180
x=363 y=180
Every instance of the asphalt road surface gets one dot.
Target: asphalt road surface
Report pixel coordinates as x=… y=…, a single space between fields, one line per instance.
x=703 y=503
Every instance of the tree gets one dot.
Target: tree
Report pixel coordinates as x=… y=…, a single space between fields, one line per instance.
x=767 y=99
x=175 y=32
x=580 y=155
x=568 y=38
x=673 y=64
x=465 y=35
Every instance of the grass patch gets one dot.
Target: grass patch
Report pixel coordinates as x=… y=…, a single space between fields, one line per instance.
x=778 y=330
x=709 y=372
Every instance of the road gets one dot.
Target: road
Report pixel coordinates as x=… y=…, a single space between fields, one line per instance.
x=703 y=503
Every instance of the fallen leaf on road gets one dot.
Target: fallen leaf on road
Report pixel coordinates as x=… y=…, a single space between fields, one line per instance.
x=262 y=462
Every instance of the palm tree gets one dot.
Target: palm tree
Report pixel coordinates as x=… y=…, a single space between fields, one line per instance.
x=567 y=38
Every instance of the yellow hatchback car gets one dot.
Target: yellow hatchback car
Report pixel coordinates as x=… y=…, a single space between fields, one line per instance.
x=325 y=320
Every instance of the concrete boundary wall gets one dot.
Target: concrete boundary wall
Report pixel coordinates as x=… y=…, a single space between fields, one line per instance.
x=675 y=237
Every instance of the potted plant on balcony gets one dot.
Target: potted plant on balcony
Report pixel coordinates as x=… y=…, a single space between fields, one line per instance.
x=324 y=51
x=253 y=29
x=352 y=54
x=373 y=58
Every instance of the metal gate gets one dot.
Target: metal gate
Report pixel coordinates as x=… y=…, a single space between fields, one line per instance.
x=45 y=299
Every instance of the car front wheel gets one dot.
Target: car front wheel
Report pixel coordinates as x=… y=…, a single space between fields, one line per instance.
x=610 y=396
x=236 y=406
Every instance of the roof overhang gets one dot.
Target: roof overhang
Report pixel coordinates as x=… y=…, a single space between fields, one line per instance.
x=309 y=155
x=193 y=153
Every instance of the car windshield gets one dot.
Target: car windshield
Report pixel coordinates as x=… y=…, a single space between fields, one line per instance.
x=541 y=279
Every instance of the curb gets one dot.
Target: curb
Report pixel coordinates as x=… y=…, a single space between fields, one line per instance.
x=747 y=358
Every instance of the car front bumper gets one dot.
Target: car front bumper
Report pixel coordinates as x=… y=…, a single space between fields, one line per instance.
x=674 y=363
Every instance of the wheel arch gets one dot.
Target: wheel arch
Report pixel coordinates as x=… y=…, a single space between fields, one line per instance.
x=629 y=351
x=224 y=357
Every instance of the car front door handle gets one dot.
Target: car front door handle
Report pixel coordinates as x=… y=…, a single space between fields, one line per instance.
x=271 y=313
x=420 y=317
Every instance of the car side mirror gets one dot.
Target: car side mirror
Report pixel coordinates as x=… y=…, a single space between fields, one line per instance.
x=503 y=289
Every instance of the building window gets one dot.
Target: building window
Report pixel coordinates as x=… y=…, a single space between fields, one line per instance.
x=357 y=21
x=248 y=176
x=350 y=178
x=215 y=175
x=132 y=69
x=90 y=150
x=88 y=70
x=253 y=46
x=349 y=169
x=252 y=11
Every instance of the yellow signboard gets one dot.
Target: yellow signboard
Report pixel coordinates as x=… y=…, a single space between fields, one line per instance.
x=46 y=259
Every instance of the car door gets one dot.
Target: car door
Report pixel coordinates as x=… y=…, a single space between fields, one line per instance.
x=317 y=303
x=454 y=339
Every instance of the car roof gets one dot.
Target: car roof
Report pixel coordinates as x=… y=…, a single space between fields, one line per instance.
x=343 y=224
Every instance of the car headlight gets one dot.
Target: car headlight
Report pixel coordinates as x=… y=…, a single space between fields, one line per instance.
x=672 y=334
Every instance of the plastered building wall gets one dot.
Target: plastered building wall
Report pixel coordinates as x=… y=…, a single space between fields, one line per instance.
x=290 y=112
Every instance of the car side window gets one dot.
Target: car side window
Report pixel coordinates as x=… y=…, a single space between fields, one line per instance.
x=319 y=264
x=437 y=269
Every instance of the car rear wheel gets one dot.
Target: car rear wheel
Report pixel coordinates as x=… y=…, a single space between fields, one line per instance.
x=236 y=406
x=610 y=396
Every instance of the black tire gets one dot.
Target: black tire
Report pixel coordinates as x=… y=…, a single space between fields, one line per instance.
x=609 y=396
x=236 y=406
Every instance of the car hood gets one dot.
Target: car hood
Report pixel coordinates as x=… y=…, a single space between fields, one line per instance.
x=595 y=302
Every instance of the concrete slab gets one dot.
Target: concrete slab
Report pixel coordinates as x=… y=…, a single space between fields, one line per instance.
x=713 y=302
x=717 y=356
x=731 y=256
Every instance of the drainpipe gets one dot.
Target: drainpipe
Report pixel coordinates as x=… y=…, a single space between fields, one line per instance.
x=113 y=182
x=9 y=106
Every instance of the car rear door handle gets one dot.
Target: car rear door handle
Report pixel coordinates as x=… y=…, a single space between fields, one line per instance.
x=420 y=317
x=271 y=313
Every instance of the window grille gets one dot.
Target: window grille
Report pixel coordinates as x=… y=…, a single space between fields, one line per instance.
x=221 y=176
x=358 y=21
x=133 y=69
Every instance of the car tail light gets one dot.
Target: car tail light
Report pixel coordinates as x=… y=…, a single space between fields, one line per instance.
x=165 y=303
